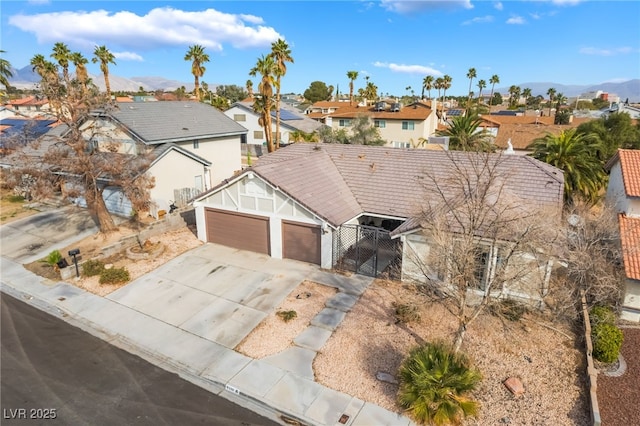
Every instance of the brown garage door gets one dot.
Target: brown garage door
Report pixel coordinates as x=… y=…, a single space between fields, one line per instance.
x=301 y=241
x=237 y=230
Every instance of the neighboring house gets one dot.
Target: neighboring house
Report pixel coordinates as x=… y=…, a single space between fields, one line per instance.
x=401 y=126
x=522 y=130
x=291 y=122
x=632 y=111
x=347 y=205
x=30 y=106
x=623 y=193
x=193 y=147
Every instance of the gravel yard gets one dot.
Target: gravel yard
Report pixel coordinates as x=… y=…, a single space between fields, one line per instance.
x=619 y=397
x=549 y=364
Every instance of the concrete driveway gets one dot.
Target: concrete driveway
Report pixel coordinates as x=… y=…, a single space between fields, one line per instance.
x=28 y=239
x=214 y=292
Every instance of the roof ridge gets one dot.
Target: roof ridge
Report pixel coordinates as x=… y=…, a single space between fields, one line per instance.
x=544 y=167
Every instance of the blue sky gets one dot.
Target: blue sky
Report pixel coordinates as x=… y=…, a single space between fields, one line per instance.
x=395 y=43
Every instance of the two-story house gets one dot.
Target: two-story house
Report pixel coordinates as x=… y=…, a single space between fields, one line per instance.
x=623 y=193
x=401 y=126
x=292 y=122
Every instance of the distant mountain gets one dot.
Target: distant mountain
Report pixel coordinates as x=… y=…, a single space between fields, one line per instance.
x=626 y=89
x=161 y=83
x=26 y=78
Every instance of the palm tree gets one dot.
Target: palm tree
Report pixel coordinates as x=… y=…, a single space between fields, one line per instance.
x=481 y=85
x=514 y=96
x=427 y=84
x=493 y=80
x=198 y=58
x=434 y=383
x=560 y=99
x=81 y=70
x=47 y=70
x=470 y=75
x=526 y=93
x=101 y=54
x=575 y=154
x=62 y=54
x=5 y=71
x=267 y=67
x=465 y=134
x=446 y=84
x=352 y=76
x=552 y=93
x=249 y=85
x=281 y=55
x=438 y=86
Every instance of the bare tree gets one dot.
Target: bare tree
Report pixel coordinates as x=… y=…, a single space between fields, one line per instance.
x=81 y=156
x=593 y=258
x=482 y=239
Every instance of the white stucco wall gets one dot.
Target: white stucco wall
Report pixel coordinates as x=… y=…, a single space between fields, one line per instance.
x=393 y=132
x=223 y=153
x=615 y=189
x=529 y=286
x=254 y=196
x=631 y=304
x=174 y=171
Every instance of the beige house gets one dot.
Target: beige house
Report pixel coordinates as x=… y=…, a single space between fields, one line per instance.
x=194 y=146
x=623 y=193
x=353 y=207
x=401 y=126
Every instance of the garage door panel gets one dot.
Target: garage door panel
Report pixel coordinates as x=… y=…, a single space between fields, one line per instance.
x=301 y=241
x=245 y=232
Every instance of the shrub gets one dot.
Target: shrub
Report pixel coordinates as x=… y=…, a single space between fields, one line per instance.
x=602 y=314
x=607 y=340
x=53 y=258
x=114 y=276
x=14 y=198
x=287 y=315
x=92 y=267
x=508 y=308
x=405 y=313
x=434 y=381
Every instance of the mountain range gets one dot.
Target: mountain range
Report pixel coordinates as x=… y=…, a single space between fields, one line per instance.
x=26 y=78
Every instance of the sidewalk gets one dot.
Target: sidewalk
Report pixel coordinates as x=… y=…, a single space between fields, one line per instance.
x=280 y=387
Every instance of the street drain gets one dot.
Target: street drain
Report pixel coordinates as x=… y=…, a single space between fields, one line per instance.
x=343 y=419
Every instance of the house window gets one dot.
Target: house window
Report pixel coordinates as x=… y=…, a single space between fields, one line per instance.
x=239 y=117
x=257 y=134
x=196 y=144
x=408 y=125
x=344 y=123
x=481 y=267
x=198 y=183
x=401 y=145
x=380 y=124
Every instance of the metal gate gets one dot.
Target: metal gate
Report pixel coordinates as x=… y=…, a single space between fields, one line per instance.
x=367 y=250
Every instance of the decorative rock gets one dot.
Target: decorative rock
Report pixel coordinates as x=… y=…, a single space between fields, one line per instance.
x=515 y=386
x=108 y=266
x=386 y=377
x=505 y=420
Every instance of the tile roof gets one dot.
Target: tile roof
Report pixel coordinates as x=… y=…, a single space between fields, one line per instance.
x=630 y=238
x=302 y=122
x=162 y=122
x=523 y=130
x=630 y=165
x=411 y=112
x=31 y=100
x=338 y=182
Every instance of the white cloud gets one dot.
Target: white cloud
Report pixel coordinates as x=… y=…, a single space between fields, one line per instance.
x=408 y=69
x=413 y=6
x=516 y=20
x=535 y=16
x=479 y=20
x=624 y=50
x=159 y=27
x=498 y=5
x=128 y=56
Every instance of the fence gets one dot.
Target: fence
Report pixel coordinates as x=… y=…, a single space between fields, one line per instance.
x=182 y=196
x=367 y=250
x=592 y=373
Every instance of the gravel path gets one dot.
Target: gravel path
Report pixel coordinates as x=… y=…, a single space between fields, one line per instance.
x=619 y=397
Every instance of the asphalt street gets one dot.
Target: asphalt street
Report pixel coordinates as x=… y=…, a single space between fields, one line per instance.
x=54 y=373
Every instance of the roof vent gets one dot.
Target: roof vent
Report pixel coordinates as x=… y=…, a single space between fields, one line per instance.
x=185 y=128
x=396 y=106
x=380 y=106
